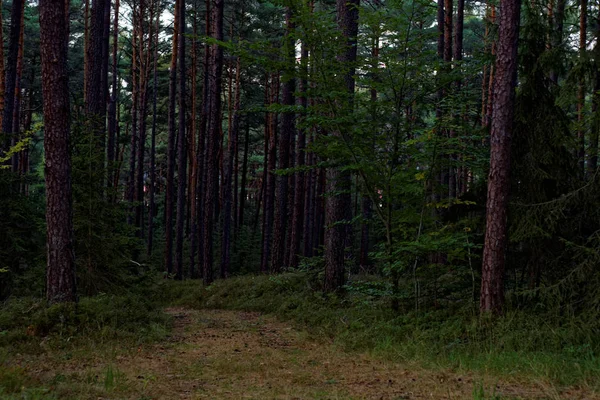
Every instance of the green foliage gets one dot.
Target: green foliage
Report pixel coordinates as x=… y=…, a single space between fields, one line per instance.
x=127 y=317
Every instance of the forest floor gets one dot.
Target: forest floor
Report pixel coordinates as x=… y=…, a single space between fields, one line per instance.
x=216 y=354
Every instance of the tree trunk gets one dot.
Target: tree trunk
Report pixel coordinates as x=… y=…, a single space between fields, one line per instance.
x=11 y=70
x=112 y=106
x=492 y=280
x=227 y=195
x=338 y=182
x=300 y=184
x=215 y=73
x=95 y=106
x=2 y=72
x=170 y=195
x=152 y=190
x=181 y=145
x=581 y=88
x=287 y=128
x=270 y=187
x=244 y=175
x=60 y=276
x=16 y=128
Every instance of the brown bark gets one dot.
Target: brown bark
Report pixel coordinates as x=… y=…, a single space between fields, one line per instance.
x=152 y=190
x=60 y=276
x=170 y=195
x=16 y=128
x=338 y=200
x=181 y=145
x=581 y=88
x=300 y=184
x=270 y=187
x=2 y=72
x=492 y=280
x=228 y=195
x=16 y=16
x=215 y=73
x=95 y=106
x=287 y=131
x=112 y=105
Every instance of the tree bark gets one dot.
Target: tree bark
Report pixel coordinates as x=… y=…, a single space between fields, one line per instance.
x=287 y=131
x=181 y=145
x=16 y=16
x=170 y=195
x=152 y=191
x=339 y=200
x=215 y=74
x=492 y=280
x=228 y=195
x=60 y=275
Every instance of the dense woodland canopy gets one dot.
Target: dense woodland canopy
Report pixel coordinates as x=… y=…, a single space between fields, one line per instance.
x=433 y=154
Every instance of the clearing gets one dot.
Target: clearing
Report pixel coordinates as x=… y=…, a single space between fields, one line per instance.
x=215 y=354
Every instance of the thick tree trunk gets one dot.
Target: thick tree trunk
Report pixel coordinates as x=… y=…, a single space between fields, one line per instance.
x=300 y=184
x=170 y=195
x=196 y=151
x=152 y=191
x=227 y=194
x=339 y=200
x=270 y=187
x=215 y=74
x=60 y=276
x=492 y=279
x=181 y=145
x=287 y=131
x=112 y=106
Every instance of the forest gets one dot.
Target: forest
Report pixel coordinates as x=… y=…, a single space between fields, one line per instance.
x=299 y=199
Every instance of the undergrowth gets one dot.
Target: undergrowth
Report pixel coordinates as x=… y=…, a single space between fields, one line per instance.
x=521 y=344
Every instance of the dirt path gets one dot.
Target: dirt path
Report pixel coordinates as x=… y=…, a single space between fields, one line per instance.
x=240 y=355
x=233 y=355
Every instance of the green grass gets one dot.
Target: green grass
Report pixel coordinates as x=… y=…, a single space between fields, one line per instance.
x=520 y=345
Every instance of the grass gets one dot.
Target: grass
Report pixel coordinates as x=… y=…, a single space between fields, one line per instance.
x=76 y=351
x=520 y=345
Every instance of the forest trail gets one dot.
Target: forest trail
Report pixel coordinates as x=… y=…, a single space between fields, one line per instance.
x=216 y=354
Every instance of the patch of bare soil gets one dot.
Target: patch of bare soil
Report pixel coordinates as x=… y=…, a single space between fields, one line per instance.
x=235 y=355
x=238 y=355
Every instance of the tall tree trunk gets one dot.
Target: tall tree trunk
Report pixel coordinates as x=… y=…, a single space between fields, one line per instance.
x=2 y=72
x=215 y=72
x=338 y=182
x=196 y=150
x=244 y=175
x=152 y=190
x=366 y=205
x=112 y=106
x=170 y=195
x=287 y=131
x=142 y=109
x=181 y=145
x=95 y=106
x=60 y=275
x=300 y=184
x=492 y=279
x=581 y=88
x=227 y=194
x=270 y=188
x=16 y=16
x=309 y=202
x=16 y=128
